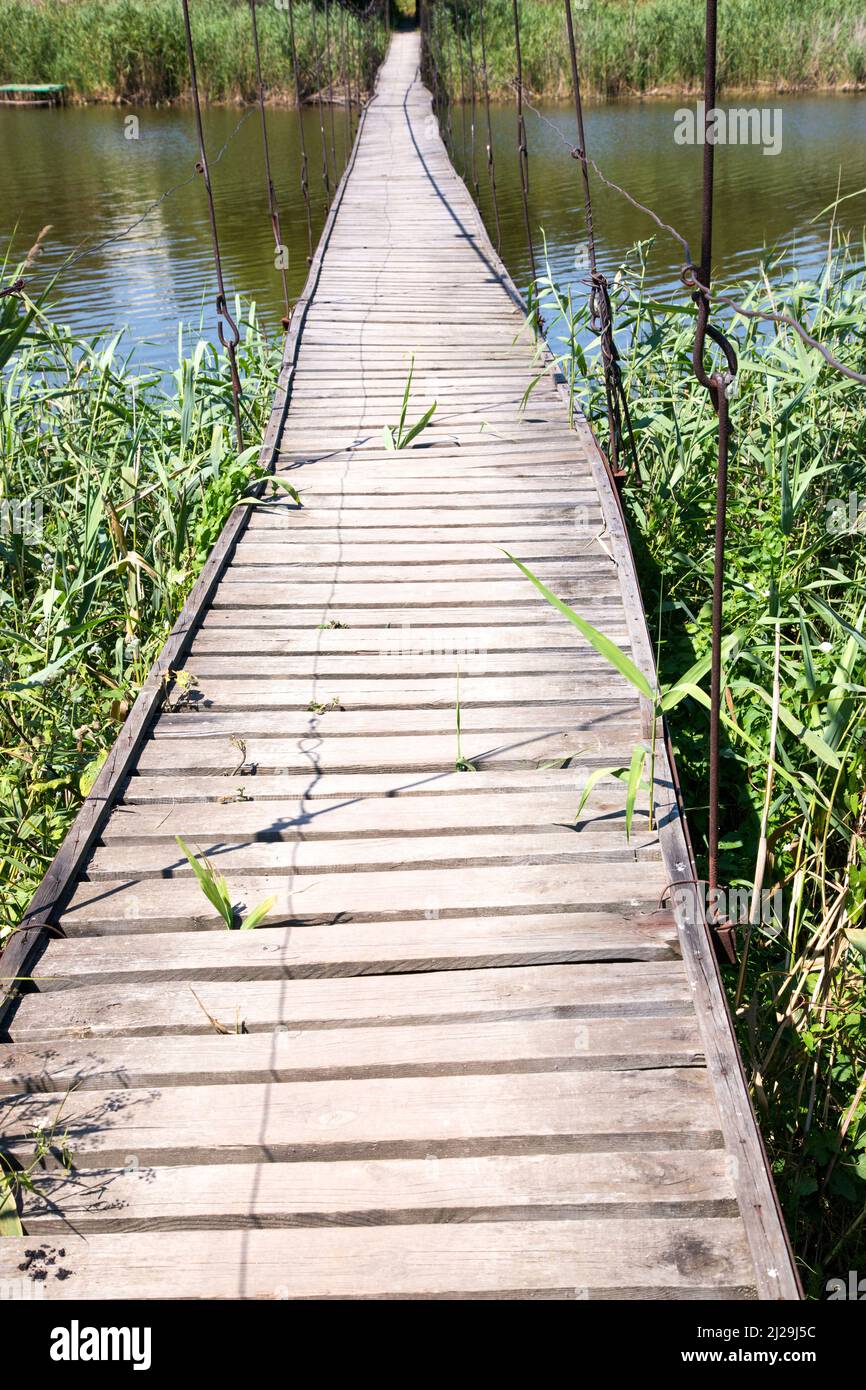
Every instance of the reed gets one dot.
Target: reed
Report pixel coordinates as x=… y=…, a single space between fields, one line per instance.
x=794 y=716
x=628 y=48
x=121 y=50
x=113 y=488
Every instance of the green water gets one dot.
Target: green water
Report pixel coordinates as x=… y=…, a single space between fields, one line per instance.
x=76 y=169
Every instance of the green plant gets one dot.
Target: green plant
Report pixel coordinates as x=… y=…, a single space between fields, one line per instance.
x=793 y=803
x=397 y=436
x=14 y=1179
x=461 y=764
x=113 y=487
x=216 y=890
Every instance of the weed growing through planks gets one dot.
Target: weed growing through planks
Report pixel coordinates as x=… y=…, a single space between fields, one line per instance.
x=398 y=436
x=47 y=1143
x=323 y=707
x=216 y=890
x=461 y=764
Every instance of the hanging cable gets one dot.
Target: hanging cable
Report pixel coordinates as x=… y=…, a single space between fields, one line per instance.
x=317 y=59
x=719 y=382
x=473 y=107
x=600 y=311
x=305 y=181
x=491 y=167
x=330 y=74
x=522 y=149
x=273 y=206
x=227 y=329
x=459 y=25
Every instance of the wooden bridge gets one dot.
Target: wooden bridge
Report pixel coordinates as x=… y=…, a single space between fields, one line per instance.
x=466 y=1055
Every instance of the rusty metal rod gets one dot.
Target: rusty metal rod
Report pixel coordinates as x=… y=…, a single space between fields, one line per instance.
x=227 y=329
x=491 y=167
x=305 y=181
x=522 y=148
x=273 y=206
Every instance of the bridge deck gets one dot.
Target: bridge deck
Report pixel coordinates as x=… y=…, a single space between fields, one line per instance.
x=465 y=1056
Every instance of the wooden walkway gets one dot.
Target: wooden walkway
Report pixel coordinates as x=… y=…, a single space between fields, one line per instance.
x=466 y=1056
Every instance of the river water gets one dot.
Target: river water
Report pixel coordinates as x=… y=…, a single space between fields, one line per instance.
x=77 y=169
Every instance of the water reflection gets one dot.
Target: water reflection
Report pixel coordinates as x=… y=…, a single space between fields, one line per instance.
x=73 y=167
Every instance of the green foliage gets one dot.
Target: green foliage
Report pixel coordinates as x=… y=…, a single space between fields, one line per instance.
x=122 y=484
x=659 y=44
x=793 y=788
x=107 y=49
x=216 y=890
x=398 y=436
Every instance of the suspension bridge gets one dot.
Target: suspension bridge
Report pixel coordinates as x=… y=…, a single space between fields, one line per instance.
x=466 y=1055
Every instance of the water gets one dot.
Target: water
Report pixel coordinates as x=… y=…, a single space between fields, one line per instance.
x=73 y=167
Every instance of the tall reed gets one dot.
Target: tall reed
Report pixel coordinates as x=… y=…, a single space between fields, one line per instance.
x=113 y=488
x=627 y=47
x=123 y=50
x=793 y=803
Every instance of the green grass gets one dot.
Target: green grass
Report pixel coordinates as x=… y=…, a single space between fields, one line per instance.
x=627 y=47
x=110 y=49
x=134 y=481
x=793 y=804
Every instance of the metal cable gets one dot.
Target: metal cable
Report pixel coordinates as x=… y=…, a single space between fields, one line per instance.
x=273 y=206
x=305 y=180
x=522 y=148
x=600 y=311
x=227 y=329
x=491 y=167
x=317 y=58
x=330 y=72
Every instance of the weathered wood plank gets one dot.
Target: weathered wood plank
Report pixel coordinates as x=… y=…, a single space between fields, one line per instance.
x=577 y=991
x=349 y=817
x=356 y=949
x=695 y=1259
x=385 y=1191
x=479 y=1046
x=409 y=1117
x=129 y=904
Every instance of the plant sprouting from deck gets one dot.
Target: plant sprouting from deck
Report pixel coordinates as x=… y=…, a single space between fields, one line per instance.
x=398 y=436
x=14 y=1180
x=461 y=764
x=216 y=890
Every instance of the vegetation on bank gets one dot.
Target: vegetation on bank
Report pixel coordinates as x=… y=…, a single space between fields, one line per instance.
x=629 y=48
x=794 y=763
x=123 y=50
x=126 y=51
x=113 y=489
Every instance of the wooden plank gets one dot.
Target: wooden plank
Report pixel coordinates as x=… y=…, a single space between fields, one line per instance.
x=246 y=639
x=695 y=1259
x=357 y=948
x=154 y=905
x=343 y=722
x=317 y=752
x=547 y=1112
x=386 y=1191
x=468 y=1046
x=575 y=991
x=351 y=817
x=165 y=859
x=356 y=692
x=601 y=612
